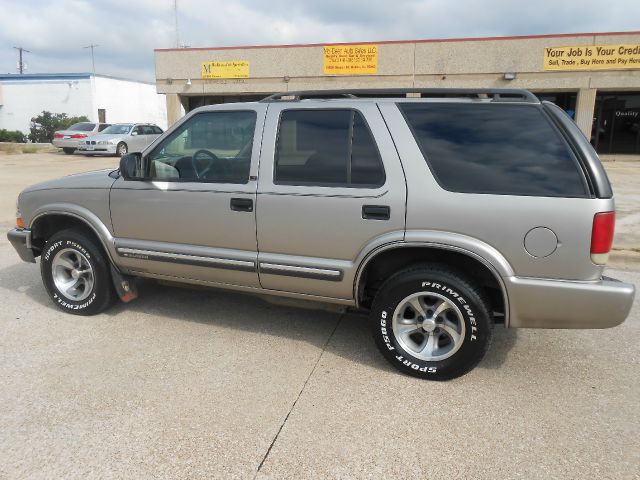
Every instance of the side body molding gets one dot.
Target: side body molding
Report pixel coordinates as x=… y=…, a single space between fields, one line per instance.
x=84 y=215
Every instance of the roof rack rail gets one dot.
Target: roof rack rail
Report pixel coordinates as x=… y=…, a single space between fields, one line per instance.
x=494 y=94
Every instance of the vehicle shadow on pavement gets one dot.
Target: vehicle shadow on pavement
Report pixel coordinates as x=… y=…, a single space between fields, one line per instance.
x=348 y=335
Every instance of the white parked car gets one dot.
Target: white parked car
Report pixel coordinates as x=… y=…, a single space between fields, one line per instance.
x=120 y=139
x=68 y=139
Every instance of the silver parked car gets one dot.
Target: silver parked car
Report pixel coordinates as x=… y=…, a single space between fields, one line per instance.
x=69 y=139
x=120 y=139
x=440 y=215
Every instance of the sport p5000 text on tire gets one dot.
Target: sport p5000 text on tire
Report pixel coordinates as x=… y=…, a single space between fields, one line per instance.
x=76 y=274
x=430 y=322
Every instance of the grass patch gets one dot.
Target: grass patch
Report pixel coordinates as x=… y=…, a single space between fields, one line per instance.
x=29 y=149
x=9 y=148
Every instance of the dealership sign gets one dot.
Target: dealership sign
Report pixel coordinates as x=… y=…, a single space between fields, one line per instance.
x=350 y=60
x=592 y=57
x=226 y=69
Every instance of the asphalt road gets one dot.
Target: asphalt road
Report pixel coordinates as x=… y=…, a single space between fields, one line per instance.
x=208 y=384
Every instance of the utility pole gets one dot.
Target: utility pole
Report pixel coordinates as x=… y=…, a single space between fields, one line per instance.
x=20 y=61
x=93 y=61
x=175 y=14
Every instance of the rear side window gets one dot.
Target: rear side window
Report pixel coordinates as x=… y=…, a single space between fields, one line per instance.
x=496 y=149
x=326 y=148
x=82 y=127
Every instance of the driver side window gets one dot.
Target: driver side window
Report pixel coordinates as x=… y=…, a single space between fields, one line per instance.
x=210 y=147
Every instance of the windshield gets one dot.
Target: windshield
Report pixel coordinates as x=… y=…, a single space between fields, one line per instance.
x=121 y=129
x=82 y=127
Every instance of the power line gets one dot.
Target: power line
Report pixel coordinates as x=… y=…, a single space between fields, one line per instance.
x=93 y=61
x=21 y=65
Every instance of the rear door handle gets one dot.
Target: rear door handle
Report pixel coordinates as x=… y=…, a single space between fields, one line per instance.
x=376 y=212
x=242 y=204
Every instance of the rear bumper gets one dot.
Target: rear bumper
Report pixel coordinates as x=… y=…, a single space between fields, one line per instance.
x=543 y=303
x=65 y=142
x=21 y=241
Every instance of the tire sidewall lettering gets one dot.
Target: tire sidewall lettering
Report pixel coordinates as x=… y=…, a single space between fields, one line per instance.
x=387 y=337
x=48 y=256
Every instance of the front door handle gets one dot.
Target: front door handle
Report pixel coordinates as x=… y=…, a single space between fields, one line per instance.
x=376 y=212
x=242 y=204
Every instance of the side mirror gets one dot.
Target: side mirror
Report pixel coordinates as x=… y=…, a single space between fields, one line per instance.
x=131 y=166
x=134 y=133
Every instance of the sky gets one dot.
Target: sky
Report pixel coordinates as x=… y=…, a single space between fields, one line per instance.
x=127 y=31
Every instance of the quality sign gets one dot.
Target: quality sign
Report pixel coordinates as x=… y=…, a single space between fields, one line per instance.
x=592 y=57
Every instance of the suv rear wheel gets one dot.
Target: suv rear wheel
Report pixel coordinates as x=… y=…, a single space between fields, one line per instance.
x=68 y=150
x=430 y=322
x=76 y=274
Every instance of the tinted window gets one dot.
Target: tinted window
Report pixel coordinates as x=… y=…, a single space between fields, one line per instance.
x=103 y=126
x=82 y=127
x=156 y=130
x=209 y=147
x=326 y=147
x=366 y=164
x=499 y=149
x=147 y=130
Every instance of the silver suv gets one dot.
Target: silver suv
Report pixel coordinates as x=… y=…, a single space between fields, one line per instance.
x=438 y=212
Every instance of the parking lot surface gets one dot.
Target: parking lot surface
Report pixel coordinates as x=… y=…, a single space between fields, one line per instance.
x=208 y=384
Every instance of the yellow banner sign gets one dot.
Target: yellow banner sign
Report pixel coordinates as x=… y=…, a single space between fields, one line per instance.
x=350 y=60
x=592 y=57
x=226 y=69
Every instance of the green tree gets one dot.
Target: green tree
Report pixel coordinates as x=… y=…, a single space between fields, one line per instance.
x=44 y=125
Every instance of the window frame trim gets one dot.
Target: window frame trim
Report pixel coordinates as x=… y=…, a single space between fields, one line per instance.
x=552 y=125
x=353 y=111
x=147 y=163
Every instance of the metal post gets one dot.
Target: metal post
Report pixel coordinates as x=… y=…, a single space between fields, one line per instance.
x=175 y=14
x=93 y=61
x=20 y=61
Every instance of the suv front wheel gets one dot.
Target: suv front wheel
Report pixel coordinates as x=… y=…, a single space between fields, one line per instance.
x=76 y=273
x=431 y=322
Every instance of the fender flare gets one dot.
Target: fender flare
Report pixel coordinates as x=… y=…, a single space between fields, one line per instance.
x=497 y=265
x=85 y=216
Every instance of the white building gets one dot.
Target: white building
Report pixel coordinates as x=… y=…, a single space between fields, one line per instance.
x=99 y=97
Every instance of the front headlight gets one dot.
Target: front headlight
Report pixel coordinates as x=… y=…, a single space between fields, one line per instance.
x=103 y=142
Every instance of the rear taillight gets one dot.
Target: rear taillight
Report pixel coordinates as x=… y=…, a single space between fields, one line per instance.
x=57 y=135
x=79 y=135
x=602 y=236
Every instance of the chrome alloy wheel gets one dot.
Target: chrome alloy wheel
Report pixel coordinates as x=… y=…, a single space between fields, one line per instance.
x=429 y=326
x=72 y=274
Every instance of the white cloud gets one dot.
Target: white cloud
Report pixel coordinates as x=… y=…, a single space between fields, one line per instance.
x=128 y=31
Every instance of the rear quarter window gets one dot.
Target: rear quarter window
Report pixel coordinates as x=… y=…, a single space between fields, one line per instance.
x=494 y=149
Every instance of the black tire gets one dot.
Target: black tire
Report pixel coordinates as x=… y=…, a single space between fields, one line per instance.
x=449 y=285
x=101 y=294
x=69 y=151
x=122 y=149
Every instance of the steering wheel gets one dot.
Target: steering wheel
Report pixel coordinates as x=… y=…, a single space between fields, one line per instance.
x=215 y=163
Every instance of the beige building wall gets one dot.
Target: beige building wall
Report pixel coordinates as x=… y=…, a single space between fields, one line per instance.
x=464 y=63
